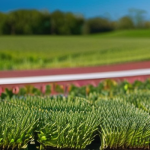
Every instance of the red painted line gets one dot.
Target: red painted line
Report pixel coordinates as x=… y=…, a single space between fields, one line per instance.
x=61 y=71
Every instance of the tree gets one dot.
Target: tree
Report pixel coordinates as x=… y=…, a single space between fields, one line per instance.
x=125 y=23
x=57 y=23
x=3 y=28
x=65 y=23
x=74 y=23
x=137 y=16
x=147 y=25
x=97 y=25
x=25 y=22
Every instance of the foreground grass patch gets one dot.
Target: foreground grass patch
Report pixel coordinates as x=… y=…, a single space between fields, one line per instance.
x=73 y=123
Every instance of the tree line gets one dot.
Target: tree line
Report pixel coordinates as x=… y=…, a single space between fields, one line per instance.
x=28 y=22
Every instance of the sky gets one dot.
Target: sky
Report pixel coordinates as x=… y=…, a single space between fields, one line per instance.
x=111 y=9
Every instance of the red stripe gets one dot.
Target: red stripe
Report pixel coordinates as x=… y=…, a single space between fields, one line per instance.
x=60 y=71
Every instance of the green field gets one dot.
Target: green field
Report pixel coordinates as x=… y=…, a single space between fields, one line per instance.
x=140 y=33
x=120 y=122
x=33 y=52
x=111 y=116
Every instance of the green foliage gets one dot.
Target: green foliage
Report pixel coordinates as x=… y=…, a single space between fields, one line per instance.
x=106 y=87
x=118 y=113
x=120 y=122
x=60 y=122
x=64 y=24
x=42 y=52
x=123 y=125
x=125 y=23
x=17 y=125
x=27 y=22
x=96 y=25
x=139 y=99
x=125 y=33
x=3 y=28
x=70 y=130
x=43 y=22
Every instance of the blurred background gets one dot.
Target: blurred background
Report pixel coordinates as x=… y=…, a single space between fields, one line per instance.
x=62 y=33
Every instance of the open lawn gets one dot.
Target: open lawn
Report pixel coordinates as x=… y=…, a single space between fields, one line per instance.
x=34 y=52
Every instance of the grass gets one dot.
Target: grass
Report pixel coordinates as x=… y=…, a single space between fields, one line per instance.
x=140 y=33
x=61 y=126
x=120 y=120
x=34 y=52
x=74 y=122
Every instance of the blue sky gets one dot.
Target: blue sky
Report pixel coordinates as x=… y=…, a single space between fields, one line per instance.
x=112 y=9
